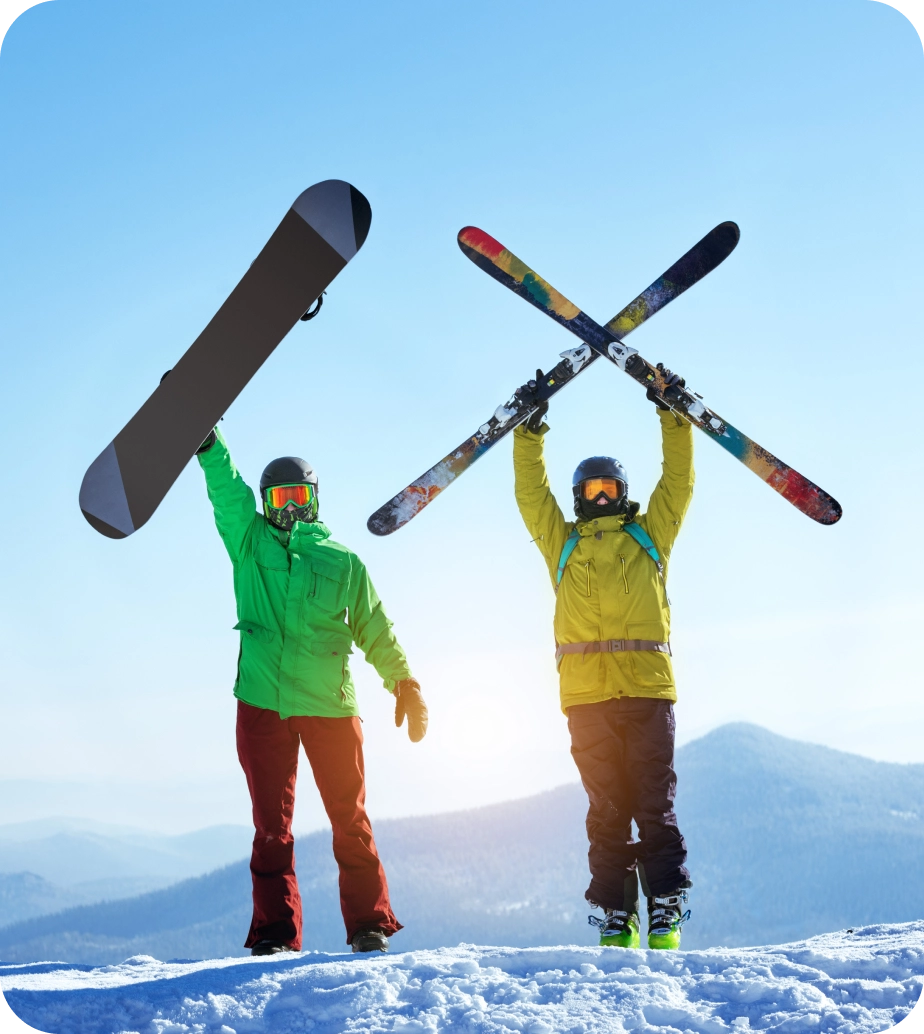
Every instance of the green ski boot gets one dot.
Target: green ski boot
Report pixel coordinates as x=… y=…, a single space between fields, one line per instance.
x=617 y=929
x=665 y=918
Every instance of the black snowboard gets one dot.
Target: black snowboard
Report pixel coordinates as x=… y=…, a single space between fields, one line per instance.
x=321 y=232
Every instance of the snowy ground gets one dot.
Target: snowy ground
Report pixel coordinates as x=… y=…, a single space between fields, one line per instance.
x=868 y=980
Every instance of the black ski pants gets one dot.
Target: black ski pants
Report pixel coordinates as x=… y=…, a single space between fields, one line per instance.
x=624 y=751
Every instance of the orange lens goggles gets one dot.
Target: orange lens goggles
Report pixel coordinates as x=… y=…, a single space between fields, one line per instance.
x=592 y=487
x=279 y=496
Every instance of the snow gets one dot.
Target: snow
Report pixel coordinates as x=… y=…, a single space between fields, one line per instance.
x=865 y=980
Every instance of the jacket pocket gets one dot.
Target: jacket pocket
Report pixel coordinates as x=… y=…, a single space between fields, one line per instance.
x=335 y=647
x=257 y=633
x=329 y=585
x=650 y=669
x=330 y=666
x=271 y=555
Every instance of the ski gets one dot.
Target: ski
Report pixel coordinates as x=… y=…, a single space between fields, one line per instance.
x=325 y=227
x=701 y=259
x=491 y=256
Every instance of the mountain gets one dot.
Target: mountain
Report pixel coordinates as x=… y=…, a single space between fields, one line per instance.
x=787 y=840
x=72 y=851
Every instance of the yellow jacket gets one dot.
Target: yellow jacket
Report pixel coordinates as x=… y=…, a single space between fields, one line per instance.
x=611 y=588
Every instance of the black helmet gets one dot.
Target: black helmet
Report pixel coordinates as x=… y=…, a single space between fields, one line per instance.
x=289 y=470
x=599 y=467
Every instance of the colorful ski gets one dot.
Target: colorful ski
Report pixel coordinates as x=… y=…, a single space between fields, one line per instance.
x=701 y=259
x=325 y=227
x=491 y=256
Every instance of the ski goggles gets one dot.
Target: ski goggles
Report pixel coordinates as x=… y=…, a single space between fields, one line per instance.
x=279 y=496
x=610 y=487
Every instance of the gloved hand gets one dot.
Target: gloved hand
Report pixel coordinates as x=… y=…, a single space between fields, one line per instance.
x=527 y=393
x=534 y=423
x=408 y=701
x=673 y=388
x=210 y=440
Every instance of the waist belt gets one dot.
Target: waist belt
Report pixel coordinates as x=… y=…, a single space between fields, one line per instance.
x=612 y=646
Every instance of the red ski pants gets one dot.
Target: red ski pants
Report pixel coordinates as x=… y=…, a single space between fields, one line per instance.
x=267 y=747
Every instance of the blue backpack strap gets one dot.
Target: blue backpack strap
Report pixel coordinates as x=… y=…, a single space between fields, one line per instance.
x=644 y=540
x=570 y=542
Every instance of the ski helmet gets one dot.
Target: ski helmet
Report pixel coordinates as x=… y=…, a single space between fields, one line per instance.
x=591 y=469
x=284 y=471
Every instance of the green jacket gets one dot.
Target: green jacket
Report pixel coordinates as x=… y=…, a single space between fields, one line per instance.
x=611 y=588
x=302 y=601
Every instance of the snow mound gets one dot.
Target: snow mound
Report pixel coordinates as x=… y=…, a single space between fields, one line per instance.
x=861 y=981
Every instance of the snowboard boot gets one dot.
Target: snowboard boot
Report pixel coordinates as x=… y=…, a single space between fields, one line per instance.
x=617 y=929
x=665 y=918
x=369 y=940
x=268 y=947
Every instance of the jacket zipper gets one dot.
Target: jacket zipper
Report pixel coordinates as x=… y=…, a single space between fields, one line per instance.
x=625 y=580
x=587 y=572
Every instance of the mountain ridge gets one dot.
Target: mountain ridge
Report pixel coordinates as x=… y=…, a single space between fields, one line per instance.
x=787 y=839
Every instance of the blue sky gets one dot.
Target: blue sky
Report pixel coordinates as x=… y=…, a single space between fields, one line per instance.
x=150 y=150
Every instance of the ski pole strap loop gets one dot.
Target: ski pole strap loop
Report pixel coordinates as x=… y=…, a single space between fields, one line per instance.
x=612 y=646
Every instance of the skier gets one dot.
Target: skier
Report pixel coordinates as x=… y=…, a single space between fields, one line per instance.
x=612 y=629
x=302 y=601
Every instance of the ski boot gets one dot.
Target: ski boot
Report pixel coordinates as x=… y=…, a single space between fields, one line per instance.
x=369 y=940
x=617 y=929
x=665 y=918
x=268 y=947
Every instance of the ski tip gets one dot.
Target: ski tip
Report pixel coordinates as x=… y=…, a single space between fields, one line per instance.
x=730 y=231
x=830 y=514
x=102 y=496
x=379 y=524
x=338 y=212
x=470 y=238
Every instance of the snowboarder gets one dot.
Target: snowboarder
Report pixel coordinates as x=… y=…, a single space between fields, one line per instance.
x=612 y=630
x=303 y=600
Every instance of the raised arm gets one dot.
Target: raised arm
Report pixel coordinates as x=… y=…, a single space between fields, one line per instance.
x=232 y=499
x=540 y=512
x=670 y=500
x=372 y=630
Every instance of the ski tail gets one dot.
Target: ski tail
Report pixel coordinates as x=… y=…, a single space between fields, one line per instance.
x=794 y=487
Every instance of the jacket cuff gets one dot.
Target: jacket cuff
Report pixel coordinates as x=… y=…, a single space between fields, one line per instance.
x=390 y=684
x=671 y=419
x=524 y=432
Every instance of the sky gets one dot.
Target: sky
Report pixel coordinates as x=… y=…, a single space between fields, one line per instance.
x=150 y=149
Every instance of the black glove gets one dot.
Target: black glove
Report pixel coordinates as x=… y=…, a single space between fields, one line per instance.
x=408 y=701
x=210 y=440
x=673 y=388
x=528 y=394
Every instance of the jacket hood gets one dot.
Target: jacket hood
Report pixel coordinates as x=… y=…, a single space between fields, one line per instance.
x=300 y=533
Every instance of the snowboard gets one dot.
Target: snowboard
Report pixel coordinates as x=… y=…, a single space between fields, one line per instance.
x=701 y=259
x=325 y=227
x=491 y=256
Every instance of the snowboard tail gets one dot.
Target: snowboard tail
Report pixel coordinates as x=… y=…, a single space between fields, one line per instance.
x=325 y=227
x=701 y=259
x=491 y=256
